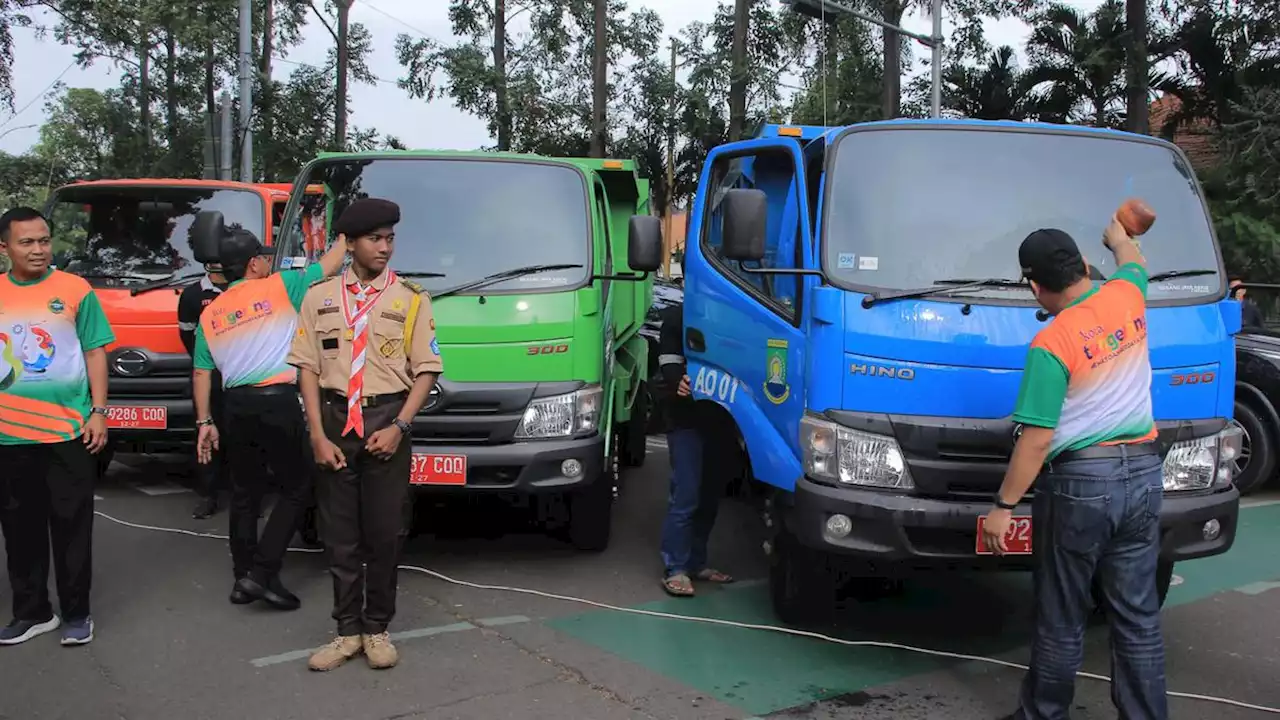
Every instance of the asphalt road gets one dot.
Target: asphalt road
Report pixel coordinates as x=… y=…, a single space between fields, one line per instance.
x=169 y=645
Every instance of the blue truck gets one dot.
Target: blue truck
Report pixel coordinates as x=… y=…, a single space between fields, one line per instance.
x=855 y=311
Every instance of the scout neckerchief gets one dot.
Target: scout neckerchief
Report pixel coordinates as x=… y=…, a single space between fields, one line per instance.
x=357 y=320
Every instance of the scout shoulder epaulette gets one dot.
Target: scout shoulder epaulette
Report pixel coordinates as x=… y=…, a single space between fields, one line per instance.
x=321 y=281
x=413 y=286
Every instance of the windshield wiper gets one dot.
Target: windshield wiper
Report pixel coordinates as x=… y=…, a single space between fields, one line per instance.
x=163 y=283
x=499 y=277
x=1171 y=274
x=114 y=276
x=942 y=286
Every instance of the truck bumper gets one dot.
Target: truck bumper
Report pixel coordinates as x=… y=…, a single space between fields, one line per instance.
x=902 y=532
x=524 y=468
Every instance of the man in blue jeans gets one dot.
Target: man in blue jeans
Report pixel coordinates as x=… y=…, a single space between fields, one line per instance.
x=694 y=499
x=1088 y=433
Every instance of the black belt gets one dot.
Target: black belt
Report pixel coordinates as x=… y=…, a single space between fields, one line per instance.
x=276 y=389
x=1105 y=452
x=369 y=401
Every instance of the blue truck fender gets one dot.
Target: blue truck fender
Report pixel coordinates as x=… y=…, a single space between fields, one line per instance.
x=773 y=461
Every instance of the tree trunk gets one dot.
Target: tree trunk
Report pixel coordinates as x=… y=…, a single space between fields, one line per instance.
x=738 y=81
x=212 y=151
x=144 y=92
x=267 y=93
x=1136 y=67
x=171 y=88
x=891 y=104
x=340 y=99
x=600 y=79
x=502 y=101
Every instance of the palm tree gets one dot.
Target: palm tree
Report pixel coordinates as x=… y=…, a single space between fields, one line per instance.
x=999 y=91
x=1078 y=63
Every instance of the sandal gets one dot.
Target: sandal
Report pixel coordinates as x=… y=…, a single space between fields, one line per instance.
x=678 y=585
x=714 y=576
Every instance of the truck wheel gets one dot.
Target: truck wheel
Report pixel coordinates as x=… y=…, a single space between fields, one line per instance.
x=1257 y=459
x=802 y=584
x=635 y=433
x=1164 y=579
x=591 y=508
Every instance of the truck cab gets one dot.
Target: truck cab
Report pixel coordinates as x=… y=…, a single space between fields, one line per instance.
x=855 y=308
x=130 y=238
x=538 y=292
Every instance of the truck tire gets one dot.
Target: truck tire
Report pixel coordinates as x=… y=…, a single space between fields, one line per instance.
x=635 y=433
x=802 y=584
x=1164 y=579
x=591 y=508
x=1257 y=460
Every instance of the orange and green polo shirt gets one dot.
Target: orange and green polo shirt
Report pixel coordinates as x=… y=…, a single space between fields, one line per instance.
x=46 y=327
x=1088 y=373
x=246 y=333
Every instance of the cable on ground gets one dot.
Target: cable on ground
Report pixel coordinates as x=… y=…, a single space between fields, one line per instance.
x=713 y=621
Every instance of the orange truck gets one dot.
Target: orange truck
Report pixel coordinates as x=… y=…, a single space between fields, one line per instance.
x=130 y=239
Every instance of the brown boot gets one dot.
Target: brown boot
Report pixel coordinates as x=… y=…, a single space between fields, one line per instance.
x=342 y=649
x=379 y=651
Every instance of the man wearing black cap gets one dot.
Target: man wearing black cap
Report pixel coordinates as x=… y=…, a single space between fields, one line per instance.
x=367 y=358
x=245 y=335
x=1088 y=435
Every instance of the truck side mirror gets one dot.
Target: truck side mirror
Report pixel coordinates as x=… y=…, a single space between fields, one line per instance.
x=745 y=215
x=207 y=231
x=644 y=243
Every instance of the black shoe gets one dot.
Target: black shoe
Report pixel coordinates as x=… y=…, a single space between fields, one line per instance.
x=273 y=592
x=207 y=508
x=240 y=597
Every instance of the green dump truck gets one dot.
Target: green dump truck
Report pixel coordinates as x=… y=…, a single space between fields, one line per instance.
x=539 y=279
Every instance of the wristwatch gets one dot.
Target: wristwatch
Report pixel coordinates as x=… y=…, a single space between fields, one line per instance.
x=98 y=411
x=206 y=421
x=1004 y=505
x=405 y=428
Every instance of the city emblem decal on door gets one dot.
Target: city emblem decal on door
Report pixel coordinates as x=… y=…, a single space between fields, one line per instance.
x=776 y=388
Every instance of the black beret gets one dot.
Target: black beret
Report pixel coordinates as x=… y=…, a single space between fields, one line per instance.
x=366 y=215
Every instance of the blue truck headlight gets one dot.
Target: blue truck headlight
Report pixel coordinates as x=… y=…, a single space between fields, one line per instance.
x=838 y=454
x=1203 y=463
x=562 y=415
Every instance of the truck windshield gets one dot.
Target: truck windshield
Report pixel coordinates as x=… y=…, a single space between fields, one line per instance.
x=906 y=207
x=462 y=219
x=124 y=235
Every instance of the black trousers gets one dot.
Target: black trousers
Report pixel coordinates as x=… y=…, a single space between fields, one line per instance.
x=364 y=517
x=216 y=475
x=47 y=492
x=265 y=440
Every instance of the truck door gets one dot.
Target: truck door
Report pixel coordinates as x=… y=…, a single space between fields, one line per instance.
x=744 y=332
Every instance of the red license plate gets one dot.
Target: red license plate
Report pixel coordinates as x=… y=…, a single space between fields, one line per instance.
x=438 y=470
x=1016 y=542
x=137 y=418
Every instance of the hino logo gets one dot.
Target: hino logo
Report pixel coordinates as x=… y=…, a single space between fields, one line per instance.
x=881 y=371
x=433 y=398
x=131 y=363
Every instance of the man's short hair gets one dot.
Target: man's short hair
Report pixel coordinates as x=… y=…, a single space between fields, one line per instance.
x=22 y=213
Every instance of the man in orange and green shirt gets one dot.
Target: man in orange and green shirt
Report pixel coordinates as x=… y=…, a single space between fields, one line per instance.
x=53 y=393
x=1088 y=441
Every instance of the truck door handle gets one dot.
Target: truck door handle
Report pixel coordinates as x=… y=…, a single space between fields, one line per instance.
x=694 y=339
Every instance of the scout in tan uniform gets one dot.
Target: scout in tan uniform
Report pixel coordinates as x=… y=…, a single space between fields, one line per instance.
x=367 y=355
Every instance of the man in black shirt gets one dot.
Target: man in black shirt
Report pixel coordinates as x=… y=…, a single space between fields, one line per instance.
x=215 y=476
x=1250 y=315
x=693 y=500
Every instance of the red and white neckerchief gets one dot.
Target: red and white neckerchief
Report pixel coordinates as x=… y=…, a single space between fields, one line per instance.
x=357 y=320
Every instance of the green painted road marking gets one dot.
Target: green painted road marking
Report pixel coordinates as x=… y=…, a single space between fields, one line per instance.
x=762 y=672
